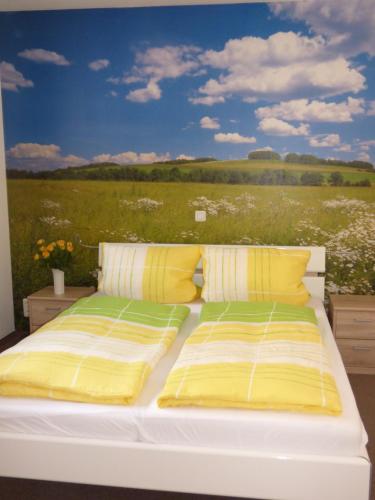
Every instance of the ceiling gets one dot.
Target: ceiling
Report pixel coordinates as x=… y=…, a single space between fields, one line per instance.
x=13 y=5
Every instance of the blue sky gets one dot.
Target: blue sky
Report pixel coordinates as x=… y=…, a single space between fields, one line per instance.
x=148 y=84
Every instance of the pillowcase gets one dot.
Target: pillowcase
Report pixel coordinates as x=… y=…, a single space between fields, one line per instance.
x=254 y=274
x=157 y=273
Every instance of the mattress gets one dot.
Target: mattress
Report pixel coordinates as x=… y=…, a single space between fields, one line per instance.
x=264 y=431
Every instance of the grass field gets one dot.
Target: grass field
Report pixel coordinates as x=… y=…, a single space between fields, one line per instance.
x=342 y=219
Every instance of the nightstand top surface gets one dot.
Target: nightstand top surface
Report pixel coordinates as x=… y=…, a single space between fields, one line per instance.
x=71 y=293
x=353 y=302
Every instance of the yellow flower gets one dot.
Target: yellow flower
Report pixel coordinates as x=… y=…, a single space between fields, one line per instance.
x=36 y=256
x=42 y=248
x=40 y=242
x=69 y=246
x=61 y=244
x=45 y=254
x=50 y=247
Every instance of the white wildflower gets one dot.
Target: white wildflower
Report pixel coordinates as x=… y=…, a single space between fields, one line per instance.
x=49 y=204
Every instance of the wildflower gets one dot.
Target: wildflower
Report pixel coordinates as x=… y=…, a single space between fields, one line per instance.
x=45 y=254
x=50 y=247
x=69 y=246
x=40 y=242
x=49 y=204
x=61 y=244
x=36 y=256
x=146 y=204
x=51 y=220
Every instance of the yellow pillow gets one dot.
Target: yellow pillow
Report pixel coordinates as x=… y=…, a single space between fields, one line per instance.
x=254 y=274
x=156 y=273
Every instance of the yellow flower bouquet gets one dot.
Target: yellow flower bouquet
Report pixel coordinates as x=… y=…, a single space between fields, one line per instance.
x=54 y=255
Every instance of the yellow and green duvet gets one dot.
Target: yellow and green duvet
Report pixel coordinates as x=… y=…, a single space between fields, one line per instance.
x=254 y=355
x=100 y=350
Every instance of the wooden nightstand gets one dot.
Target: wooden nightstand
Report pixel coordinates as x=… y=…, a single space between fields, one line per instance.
x=353 y=324
x=44 y=305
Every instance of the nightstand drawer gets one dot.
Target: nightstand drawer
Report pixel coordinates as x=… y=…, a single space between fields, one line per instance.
x=358 y=324
x=41 y=312
x=357 y=352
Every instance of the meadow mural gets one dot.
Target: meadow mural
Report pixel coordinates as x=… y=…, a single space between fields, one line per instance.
x=120 y=123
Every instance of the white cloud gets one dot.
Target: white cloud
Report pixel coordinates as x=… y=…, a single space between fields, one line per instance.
x=266 y=148
x=33 y=150
x=156 y=64
x=44 y=56
x=113 y=93
x=364 y=156
x=250 y=100
x=371 y=110
x=152 y=157
x=313 y=111
x=128 y=80
x=131 y=157
x=166 y=62
x=73 y=161
x=11 y=79
x=207 y=101
x=283 y=65
x=234 y=138
x=274 y=126
x=325 y=141
x=185 y=157
x=34 y=156
x=349 y=25
x=211 y=123
x=151 y=92
x=344 y=148
x=279 y=48
x=125 y=79
x=114 y=80
x=99 y=64
x=365 y=145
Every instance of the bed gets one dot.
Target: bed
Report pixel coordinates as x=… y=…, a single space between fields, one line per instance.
x=251 y=454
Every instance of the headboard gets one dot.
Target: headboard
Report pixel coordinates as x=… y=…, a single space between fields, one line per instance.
x=313 y=279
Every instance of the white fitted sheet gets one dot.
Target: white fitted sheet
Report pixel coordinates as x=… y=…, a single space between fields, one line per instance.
x=263 y=431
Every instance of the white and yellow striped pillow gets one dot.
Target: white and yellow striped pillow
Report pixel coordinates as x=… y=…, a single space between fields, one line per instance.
x=254 y=274
x=157 y=273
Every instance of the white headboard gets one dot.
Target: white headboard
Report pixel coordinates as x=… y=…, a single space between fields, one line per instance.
x=316 y=265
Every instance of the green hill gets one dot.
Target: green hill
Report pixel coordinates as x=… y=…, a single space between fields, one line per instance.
x=226 y=171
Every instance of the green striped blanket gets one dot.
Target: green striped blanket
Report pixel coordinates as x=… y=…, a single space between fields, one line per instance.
x=100 y=350
x=263 y=355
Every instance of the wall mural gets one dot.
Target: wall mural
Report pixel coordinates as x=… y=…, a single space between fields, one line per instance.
x=120 y=123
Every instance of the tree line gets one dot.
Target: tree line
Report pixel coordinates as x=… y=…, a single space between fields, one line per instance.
x=308 y=159
x=199 y=175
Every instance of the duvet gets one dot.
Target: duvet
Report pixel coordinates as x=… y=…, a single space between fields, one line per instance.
x=254 y=355
x=100 y=350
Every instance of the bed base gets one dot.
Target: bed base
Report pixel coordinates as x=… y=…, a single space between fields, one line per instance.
x=184 y=469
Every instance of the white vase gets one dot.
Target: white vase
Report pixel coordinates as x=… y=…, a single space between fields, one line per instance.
x=58 y=281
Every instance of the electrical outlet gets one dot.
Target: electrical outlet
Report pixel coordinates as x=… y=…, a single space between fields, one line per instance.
x=25 y=306
x=200 y=216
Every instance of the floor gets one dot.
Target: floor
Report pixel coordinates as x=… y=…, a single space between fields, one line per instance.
x=24 y=489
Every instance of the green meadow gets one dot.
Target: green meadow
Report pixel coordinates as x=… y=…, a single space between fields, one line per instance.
x=350 y=174
x=340 y=218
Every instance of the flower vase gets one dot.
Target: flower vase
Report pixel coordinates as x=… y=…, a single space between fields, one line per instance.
x=58 y=281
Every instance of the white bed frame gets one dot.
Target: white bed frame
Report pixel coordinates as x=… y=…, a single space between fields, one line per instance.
x=247 y=474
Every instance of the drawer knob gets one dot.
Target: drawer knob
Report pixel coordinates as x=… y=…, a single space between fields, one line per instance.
x=361 y=348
